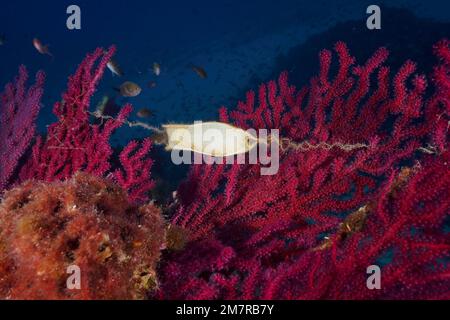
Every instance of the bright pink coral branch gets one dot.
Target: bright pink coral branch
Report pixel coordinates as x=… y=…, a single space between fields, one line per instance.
x=74 y=144
x=332 y=110
x=19 y=108
x=311 y=230
x=441 y=99
x=135 y=178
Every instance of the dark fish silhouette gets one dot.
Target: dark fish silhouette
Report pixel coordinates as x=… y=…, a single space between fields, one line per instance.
x=200 y=72
x=145 y=113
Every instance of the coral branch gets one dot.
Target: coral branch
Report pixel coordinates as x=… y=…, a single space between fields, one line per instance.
x=19 y=108
x=74 y=144
x=311 y=230
x=136 y=179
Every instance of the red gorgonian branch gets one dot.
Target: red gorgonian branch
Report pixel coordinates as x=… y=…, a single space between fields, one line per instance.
x=311 y=230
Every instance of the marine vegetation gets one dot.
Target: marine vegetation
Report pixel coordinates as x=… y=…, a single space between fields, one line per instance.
x=312 y=230
x=85 y=221
x=308 y=232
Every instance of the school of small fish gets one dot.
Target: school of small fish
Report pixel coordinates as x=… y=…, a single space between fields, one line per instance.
x=127 y=89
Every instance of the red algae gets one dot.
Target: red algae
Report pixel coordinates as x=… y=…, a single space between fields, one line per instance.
x=87 y=222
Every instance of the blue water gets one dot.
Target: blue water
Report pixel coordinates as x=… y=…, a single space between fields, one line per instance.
x=239 y=43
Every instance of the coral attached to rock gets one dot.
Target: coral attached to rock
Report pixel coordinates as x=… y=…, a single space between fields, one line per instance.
x=73 y=143
x=87 y=222
x=19 y=107
x=312 y=230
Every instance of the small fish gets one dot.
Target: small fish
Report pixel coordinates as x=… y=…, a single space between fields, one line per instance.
x=200 y=72
x=151 y=84
x=2 y=39
x=114 y=67
x=145 y=113
x=40 y=47
x=156 y=68
x=129 y=89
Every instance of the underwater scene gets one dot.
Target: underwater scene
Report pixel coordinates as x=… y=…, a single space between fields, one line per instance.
x=224 y=150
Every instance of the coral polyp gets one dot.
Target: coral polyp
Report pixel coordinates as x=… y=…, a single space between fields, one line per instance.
x=87 y=222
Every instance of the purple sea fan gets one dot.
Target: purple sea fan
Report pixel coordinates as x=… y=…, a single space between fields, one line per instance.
x=19 y=108
x=74 y=144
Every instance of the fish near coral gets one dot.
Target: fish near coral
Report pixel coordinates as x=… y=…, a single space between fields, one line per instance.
x=114 y=67
x=200 y=72
x=87 y=222
x=129 y=89
x=41 y=48
x=145 y=113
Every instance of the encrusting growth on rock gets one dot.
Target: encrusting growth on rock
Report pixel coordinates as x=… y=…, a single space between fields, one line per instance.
x=87 y=222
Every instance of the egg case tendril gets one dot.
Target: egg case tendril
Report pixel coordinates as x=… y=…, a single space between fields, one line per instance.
x=160 y=136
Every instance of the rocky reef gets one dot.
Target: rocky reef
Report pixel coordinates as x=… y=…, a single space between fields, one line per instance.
x=85 y=221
